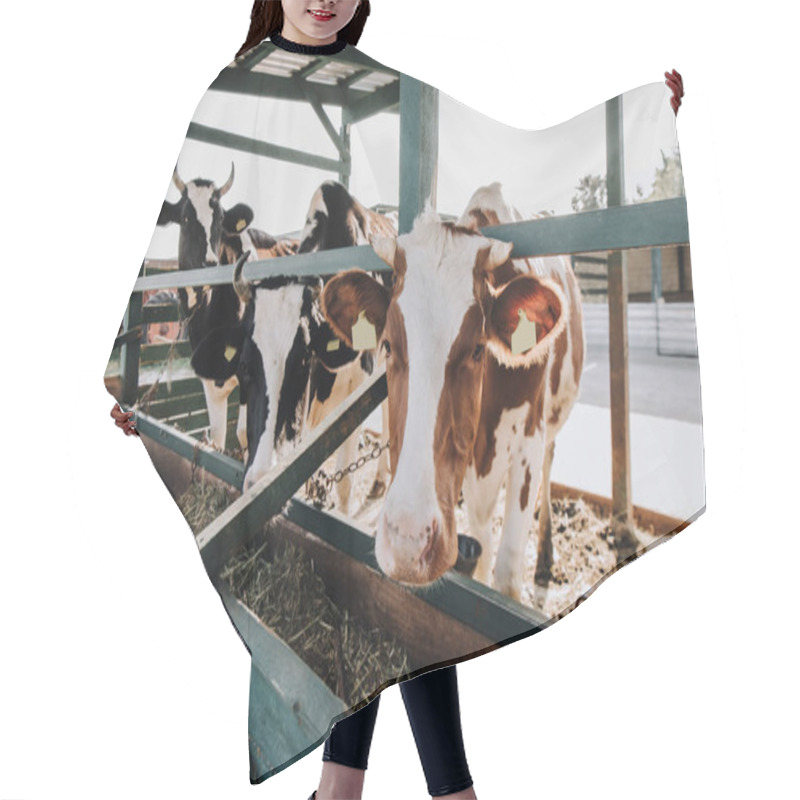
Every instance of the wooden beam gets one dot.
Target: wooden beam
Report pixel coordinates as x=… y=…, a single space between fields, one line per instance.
x=233 y=141
x=255 y=55
x=366 y=105
x=314 y=102
x=237 y=80
x=489 y=613
x=622 y=503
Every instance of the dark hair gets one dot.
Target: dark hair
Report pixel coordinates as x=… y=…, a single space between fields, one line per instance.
x=266 y=18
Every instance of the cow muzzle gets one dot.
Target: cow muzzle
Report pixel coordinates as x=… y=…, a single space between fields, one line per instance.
x=413 y=550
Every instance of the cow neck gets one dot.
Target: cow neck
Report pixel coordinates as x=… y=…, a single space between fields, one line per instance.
x=309 y=49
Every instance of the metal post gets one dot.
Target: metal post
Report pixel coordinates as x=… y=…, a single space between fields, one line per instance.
x=345 y=163
x=621 y=498
x=657 y=284
x=419 y=148
x=656 y=292
x=129 y=352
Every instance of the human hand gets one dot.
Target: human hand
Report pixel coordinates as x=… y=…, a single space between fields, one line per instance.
x=675 y=82
x=123 y=419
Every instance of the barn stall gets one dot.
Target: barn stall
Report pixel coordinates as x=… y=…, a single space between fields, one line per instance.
x=291 y=704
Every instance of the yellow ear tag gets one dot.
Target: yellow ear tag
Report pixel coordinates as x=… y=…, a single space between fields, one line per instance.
x=364 y=337
x=230 y=352
x=332 y=345
x=240 y=224
x=524 y=337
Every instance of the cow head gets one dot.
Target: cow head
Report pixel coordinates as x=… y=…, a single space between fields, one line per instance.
x=203 y=225
x=280 y=320
x=434 y=328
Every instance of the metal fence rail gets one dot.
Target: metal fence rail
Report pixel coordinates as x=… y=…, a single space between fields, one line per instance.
x=660 y=222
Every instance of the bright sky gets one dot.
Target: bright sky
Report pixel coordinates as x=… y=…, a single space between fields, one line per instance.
x=537 y=169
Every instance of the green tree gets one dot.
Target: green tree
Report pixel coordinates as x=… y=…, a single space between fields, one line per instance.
x=590 y=193
x=668 y=181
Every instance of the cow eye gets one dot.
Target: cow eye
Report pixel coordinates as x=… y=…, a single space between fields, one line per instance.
x=477 y=353
x=387 y=348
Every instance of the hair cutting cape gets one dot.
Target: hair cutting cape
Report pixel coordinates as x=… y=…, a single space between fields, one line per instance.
x=418 y=380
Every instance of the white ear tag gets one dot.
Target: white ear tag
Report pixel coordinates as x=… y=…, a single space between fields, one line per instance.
x=524 y=337
x=363 y=333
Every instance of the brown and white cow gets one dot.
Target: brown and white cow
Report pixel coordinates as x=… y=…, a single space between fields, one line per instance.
x=335 y=219
x=293 y=378
x=465 y=411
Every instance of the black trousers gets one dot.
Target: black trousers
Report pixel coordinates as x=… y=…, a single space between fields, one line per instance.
x=431 y=701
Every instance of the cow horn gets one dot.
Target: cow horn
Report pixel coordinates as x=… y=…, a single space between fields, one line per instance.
x=228 y=183
x=498 y=253
x=176 y=179
x=241 y=286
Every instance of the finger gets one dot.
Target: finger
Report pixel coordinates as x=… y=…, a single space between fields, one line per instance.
x=125 y=424
x=674 y=79
x=118 y=414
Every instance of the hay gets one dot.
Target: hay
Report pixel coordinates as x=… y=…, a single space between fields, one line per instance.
x=583 y=553
x=289 y=597
x=202 y=503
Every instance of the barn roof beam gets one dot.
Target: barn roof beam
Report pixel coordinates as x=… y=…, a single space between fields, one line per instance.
x=235 y=141
x=338 y=94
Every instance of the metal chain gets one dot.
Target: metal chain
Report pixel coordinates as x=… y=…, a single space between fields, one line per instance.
x=320 y=484
x=337 y=476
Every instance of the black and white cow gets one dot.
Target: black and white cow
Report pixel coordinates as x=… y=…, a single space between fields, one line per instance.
x=293 y=376
x=211 y=235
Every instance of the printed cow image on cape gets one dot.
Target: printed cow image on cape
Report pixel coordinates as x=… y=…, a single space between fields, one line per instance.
x=418 y=380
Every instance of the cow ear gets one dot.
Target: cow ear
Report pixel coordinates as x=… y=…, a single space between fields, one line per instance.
x=170 y=212
x=385 y=247
x=217 y=355
x=349 y=293
x=524 y=319
x=237 y=218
